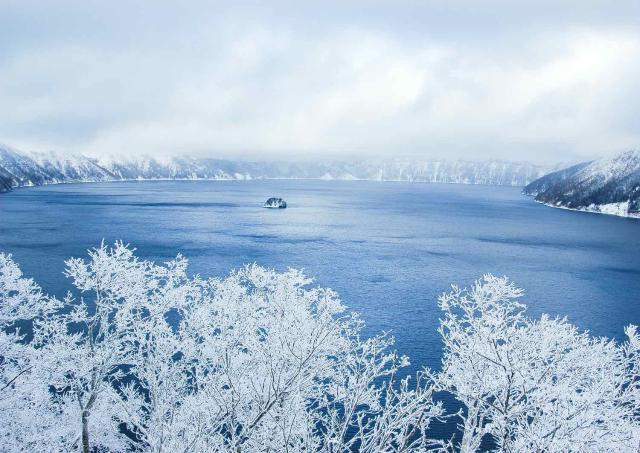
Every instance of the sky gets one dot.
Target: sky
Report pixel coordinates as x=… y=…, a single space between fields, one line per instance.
x=543 y=81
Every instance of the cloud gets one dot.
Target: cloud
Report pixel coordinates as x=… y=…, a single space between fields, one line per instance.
x=345 y=80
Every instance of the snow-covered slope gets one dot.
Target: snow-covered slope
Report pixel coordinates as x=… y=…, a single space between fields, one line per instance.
x=461 y=172
x=71 y=168
x=18 y=169
x=608 y=186
x=25 y=169
x=497 y=173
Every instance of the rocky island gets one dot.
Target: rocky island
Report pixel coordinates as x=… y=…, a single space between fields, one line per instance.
x=275 y=203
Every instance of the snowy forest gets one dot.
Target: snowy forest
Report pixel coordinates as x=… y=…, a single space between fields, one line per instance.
x=143 y=356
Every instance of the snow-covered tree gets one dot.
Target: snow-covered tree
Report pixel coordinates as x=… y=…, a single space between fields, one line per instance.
x=145 y=357
x=535 y=385
x=23 y=393
x=82 y=348
x=261 y=362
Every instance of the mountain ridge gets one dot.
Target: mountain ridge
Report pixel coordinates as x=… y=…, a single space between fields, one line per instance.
x=22 y=169
x=607 y=186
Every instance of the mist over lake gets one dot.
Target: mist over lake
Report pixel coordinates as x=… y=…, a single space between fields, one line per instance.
x=388 y=249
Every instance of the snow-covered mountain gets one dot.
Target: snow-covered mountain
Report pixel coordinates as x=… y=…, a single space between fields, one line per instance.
x=608 y=186
x=34 y=169
x=19 y=169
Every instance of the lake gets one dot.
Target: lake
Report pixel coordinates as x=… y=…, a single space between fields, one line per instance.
x=388 y=248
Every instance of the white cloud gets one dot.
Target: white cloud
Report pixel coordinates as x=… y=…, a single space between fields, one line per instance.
x=243 y=83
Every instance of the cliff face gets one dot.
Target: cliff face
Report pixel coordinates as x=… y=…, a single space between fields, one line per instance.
x=610 y=186
x=19 y=169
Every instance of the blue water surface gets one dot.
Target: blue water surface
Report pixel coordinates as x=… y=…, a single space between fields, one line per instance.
x=389 y=249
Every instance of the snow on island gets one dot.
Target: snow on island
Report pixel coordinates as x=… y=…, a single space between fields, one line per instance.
x=275 y=203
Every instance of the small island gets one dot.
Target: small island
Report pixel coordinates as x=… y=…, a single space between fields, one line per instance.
x=275 y=203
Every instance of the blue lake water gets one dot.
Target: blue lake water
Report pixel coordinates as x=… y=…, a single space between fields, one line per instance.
x=389 y=249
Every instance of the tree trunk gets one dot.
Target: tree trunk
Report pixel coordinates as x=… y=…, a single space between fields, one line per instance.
x=85 y=431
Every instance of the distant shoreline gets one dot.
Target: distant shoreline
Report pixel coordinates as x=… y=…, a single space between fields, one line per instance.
x=589 y=211
x=56 y=183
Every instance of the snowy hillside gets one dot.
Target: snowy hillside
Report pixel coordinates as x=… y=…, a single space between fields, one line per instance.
x=18 y=169
x=608 y=186
x=496 y=173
